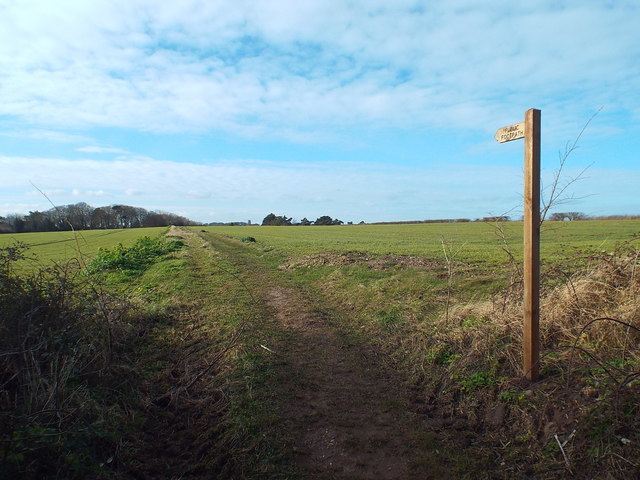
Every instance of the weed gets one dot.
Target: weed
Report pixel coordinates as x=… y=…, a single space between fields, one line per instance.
x=442 y=355
x=513 y=396
x=134 y=259
x=389 y=318
x=477 y=380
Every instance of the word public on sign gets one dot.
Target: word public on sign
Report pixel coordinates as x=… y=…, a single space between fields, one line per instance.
x=512 y=132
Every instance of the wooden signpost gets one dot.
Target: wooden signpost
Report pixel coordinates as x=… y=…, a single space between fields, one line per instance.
x=530 y=131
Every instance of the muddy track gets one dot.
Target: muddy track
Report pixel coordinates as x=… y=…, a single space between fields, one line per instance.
x=347 y=415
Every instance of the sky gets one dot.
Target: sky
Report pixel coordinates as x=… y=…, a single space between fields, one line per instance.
x=363 y=110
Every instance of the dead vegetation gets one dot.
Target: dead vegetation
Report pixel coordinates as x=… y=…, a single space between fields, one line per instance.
x=582 y=419
x=376 y=262
x=62 y=352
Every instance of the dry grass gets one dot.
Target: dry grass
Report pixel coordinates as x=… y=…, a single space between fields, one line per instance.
x=469 y=362
x=607 y=289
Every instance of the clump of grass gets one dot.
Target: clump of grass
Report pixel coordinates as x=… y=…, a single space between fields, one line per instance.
x=134 y=259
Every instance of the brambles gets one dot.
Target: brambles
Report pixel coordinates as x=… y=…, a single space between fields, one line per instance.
x=55 y=376
x=134 y=259
x=69 y=389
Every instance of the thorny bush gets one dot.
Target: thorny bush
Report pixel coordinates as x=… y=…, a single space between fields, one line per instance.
x=57 y=415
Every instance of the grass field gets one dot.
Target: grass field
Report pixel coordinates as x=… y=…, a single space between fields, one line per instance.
x=476 y=242
x=246 y=352
x=47 y=247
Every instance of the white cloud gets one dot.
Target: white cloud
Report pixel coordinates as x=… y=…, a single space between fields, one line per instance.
x=85 y=193
x=260 y=68
x=303 y=72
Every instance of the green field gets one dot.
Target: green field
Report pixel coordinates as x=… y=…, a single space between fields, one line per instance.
x=231 y=354
x=475 y=242
x=47 y=247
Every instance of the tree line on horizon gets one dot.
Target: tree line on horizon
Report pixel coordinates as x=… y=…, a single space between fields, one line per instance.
x=283 y=220
x=81 y=216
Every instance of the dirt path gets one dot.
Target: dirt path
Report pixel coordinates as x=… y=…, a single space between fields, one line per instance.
x=344 y=411
x=349 y=417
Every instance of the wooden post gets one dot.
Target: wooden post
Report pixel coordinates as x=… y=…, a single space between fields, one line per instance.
x=532 y=244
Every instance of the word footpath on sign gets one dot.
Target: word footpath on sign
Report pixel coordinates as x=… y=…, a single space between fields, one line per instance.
x=512 y=132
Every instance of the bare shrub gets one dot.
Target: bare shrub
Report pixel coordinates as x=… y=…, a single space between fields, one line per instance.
x=55 y=372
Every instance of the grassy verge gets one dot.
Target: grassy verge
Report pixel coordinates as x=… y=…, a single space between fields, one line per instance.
x=208 y=381
x=67 y=391
x=96 y=360
x=147 y=363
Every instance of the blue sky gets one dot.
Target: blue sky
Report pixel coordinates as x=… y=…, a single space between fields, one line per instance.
x=361 y=110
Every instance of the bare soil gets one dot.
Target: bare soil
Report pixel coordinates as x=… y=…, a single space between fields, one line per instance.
x=345 y=412
x=351 y=416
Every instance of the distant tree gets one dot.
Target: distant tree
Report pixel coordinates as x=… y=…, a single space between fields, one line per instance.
x=128 y=217
x=156 y=219
x=561 y=216
x=305 y=222
x=276 y=220
x=104 y=218
x=39 y=222
x=268 y=220
x=324 y=220
x=16 y=222
x=79 y=215
x=4 y=226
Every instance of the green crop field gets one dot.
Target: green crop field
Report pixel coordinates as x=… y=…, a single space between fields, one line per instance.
x=47 y=247
x=475 y=242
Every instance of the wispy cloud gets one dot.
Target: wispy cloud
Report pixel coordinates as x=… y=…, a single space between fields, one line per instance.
x=259 y=68
x=47 y=135
x=94 y=149
x=88 y=193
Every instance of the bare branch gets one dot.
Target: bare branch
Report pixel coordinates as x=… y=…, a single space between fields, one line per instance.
x=556 y=196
